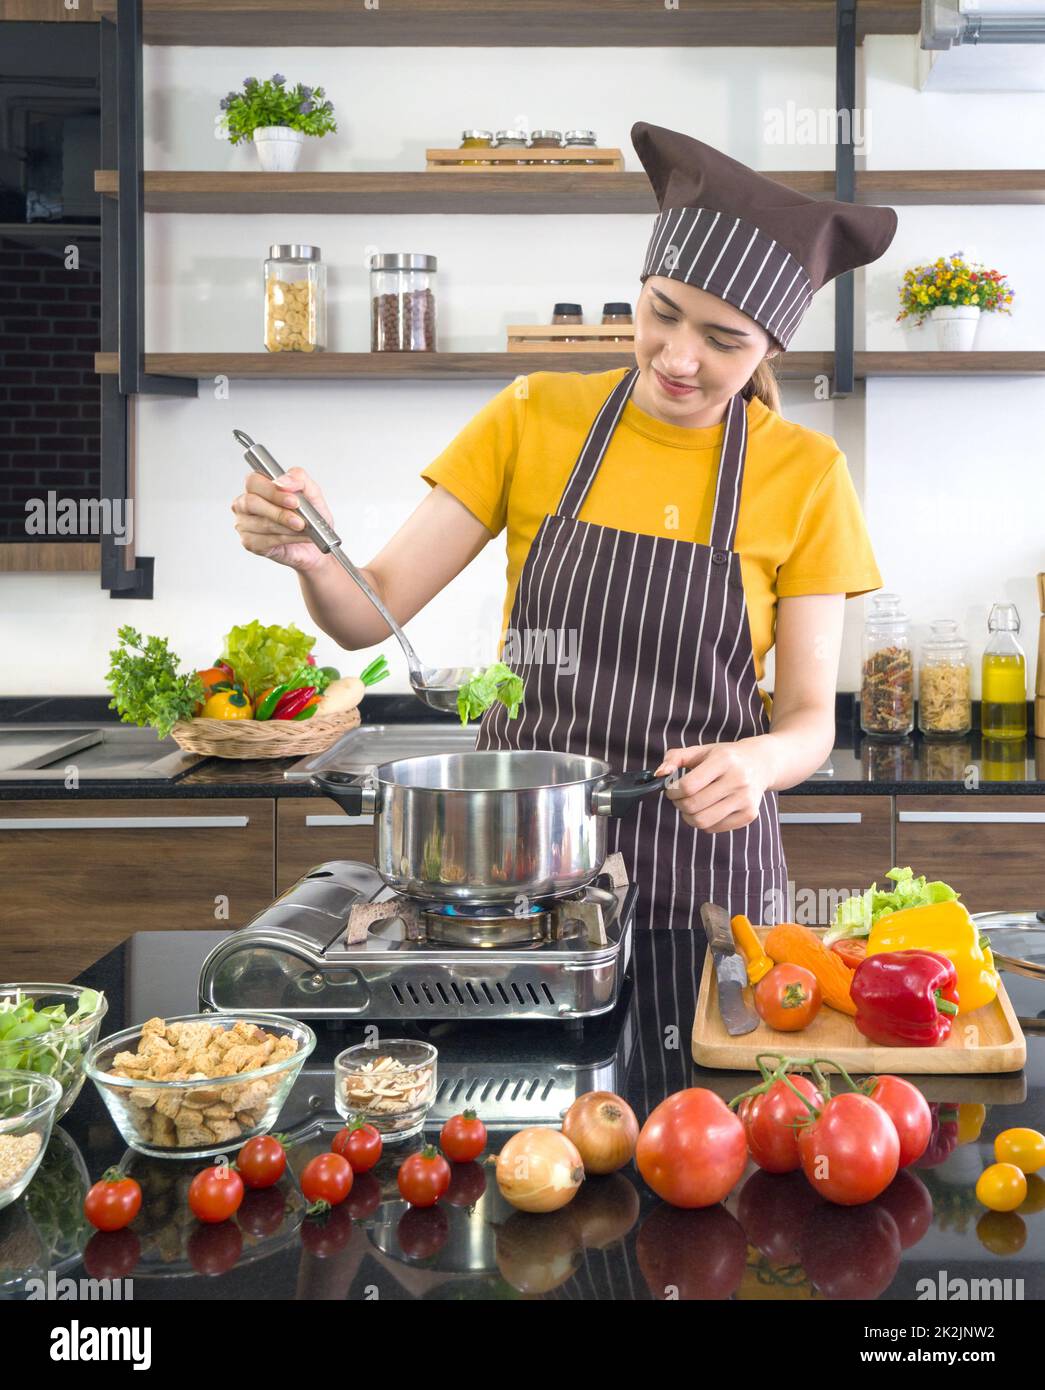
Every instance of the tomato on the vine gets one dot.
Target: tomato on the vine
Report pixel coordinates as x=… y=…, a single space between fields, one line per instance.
x=360 y=1143
x=327 y=1178
x=851 y=1151
x=113 y=1202
x=463 y=1137
x=215 y=1193
x=772 y=1120
x=262 y=1161
x=424 y=1177
x=909 y=1111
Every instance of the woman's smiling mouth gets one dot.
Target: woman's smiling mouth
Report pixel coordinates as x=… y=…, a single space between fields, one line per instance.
x=671 y=387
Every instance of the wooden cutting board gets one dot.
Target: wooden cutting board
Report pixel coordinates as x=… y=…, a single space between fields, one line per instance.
x=988 y=1040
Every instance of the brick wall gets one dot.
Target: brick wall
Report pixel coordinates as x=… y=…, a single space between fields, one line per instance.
x=50 y=411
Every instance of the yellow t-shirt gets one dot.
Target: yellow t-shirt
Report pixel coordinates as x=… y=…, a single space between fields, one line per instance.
x=800 y=528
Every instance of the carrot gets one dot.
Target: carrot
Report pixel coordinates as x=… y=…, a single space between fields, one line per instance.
x=797 y=945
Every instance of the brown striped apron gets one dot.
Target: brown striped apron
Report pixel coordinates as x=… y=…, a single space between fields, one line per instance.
x=663 y=660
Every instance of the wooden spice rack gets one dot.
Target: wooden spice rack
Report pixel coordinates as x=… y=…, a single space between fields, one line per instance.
x=479 y=160
x=588 y=337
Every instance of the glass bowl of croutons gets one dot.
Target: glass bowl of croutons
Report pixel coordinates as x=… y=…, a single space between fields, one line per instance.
x=198 y=1084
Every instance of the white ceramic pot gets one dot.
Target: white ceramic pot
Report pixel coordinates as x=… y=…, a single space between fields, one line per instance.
x=956 y=326
x=278 y=147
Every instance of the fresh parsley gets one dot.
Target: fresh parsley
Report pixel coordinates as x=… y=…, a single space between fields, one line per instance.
x=146 y=685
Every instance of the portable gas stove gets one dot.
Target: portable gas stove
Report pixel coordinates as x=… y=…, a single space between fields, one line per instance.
x=341 y=944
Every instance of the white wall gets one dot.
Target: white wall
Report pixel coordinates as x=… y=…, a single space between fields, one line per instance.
x=921 y=473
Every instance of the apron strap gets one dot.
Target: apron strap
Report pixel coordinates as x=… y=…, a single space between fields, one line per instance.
x=579 y=483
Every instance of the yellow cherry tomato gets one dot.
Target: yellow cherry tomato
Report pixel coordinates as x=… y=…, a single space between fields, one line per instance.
x=1023 y=1147
x=228 y=704
x=1001 y=1187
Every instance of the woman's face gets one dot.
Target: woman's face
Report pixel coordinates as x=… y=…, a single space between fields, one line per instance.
x=686 y=335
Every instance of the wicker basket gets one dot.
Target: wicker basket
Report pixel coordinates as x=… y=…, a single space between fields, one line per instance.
x=263 y=738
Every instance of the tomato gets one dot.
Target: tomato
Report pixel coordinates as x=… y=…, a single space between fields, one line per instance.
x=691 y=1149
x=327 y=1178
x=852 y=949
x=771 y=1123
x=1025 y=1148
x=909 y=1111
x=215 y=1248
x=852 y=1151
x=111 y=1254
x=113 y=1202
x=424 y=1177
x=215 y=1193
x=463 y=1137
x=1001 y=1187
x=422 y=1232
x=788 y=998
x=262 y=1161
x=360 y=1143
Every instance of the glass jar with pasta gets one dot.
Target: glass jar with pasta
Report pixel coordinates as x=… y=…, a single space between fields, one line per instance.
x=944 y=682
x=295 y=299
x=887 y=677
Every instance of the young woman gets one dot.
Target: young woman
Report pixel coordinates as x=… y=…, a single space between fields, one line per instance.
x=665 y=527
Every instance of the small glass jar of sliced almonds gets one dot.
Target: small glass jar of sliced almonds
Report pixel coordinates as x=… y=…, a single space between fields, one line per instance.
x=390 y=1084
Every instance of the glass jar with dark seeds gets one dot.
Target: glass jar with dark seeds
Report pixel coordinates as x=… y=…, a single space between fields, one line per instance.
x=402 y=302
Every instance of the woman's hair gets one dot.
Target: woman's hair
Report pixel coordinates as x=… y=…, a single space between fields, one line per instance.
x=763 y=384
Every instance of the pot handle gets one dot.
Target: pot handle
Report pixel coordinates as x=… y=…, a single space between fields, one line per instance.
x=355 y=793
x=620 y=792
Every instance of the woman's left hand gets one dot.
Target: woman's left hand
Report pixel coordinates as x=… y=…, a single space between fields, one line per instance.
x=724 y=787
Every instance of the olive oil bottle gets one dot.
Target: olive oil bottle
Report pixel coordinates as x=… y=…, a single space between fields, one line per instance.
x=1003 y=707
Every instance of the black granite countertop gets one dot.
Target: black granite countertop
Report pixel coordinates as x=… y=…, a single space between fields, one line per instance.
x=861 y=764
x=771 y=1238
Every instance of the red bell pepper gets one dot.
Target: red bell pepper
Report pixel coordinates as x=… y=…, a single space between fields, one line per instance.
x=905 y=998
x=293 y=702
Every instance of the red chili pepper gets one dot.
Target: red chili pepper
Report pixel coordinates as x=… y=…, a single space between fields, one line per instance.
x=905 y=998
x=293 y=701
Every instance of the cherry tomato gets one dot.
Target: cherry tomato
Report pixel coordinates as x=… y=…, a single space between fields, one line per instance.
x=215 y=1193
x=852 y=949
x=262 y=1161
x=909 y=1111
x=463 y=1137
x=214 y=1248
x=327 y=1178
x=111 y=1254
x=852 y=1151
x=422 y=1232
x=1001 y=1187
x=788 y=998
x=360 y=1143
x=692 y=1149
x=424 y=1177
x=1023 y=1147
x=772 y=1120
x=113 y=1202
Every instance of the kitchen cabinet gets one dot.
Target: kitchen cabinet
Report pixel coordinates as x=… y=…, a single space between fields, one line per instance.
x=990 y=848
x=834 y=846
x=311 y=830
x=80 y=876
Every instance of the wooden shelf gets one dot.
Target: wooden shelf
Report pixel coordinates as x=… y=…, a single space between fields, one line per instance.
x=504 y=366
x=536 y=191
x=521 y=23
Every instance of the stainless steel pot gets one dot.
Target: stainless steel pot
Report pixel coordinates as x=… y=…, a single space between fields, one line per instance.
x=489 y=826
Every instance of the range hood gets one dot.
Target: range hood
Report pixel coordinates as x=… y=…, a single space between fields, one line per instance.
x=983 y=46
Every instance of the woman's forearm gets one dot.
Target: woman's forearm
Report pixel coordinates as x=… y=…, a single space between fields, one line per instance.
x=337 y=605
x=795 y=747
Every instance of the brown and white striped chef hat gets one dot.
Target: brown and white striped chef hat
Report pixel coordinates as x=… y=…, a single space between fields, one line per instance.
x=746 y=238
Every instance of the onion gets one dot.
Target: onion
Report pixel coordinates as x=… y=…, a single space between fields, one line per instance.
x=539 y=1170
x=605 y=1130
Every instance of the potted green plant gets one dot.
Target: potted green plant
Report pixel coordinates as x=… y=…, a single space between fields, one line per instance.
x=953 y=292
x=277 y=118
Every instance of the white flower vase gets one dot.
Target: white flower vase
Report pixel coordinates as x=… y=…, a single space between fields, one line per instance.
x=278 y=147
x=956 y=326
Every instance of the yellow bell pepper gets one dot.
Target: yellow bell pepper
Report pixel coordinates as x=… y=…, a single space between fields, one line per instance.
x=948 y=929
x=227 y=704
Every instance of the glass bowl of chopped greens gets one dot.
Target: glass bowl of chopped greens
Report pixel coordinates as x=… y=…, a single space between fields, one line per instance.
x=50 y=1029
x=28 y=1102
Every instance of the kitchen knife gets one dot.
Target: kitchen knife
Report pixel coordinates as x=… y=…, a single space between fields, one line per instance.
x=730 y=972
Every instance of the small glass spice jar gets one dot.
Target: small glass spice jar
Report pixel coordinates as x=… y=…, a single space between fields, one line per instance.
x=476 y=140
x=546 y=140
x=944 y=682
x=616 y=312
x=511 y=140
x=402 y=302
x=295 y=299
x=567 y=313
x=887 y=678
x=579 y=140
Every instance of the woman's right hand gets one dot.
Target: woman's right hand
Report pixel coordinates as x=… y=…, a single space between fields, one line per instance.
x=268 y=522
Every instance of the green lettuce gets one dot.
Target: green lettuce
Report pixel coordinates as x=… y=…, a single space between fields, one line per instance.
x=265 y=656
x=856 y=916
x=497 y=682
